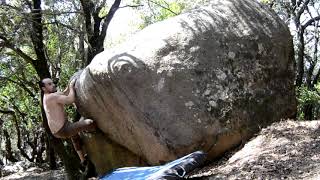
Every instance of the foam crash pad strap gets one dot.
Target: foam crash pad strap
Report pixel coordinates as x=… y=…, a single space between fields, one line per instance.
x=176 y=169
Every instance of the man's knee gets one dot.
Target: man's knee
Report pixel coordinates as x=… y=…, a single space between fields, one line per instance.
x=61 y=134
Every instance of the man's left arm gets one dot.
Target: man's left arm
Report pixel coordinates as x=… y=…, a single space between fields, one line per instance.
x=70 y=98
x=64 y=92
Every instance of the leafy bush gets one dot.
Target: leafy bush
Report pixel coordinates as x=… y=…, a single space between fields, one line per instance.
x=307 y=96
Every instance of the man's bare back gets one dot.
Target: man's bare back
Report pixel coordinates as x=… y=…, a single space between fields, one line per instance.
x=55 y=112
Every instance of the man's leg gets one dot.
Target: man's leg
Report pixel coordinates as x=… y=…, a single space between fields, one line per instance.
x=76 y=141
x=72 y=129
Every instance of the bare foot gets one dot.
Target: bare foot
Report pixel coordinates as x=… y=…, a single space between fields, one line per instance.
x=91 y=125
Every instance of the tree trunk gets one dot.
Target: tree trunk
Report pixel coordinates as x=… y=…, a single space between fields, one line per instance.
x=42 y=69
x=96 y=30
x=309 y=108
x=300 y=58
x=308 y=112
x=40 y=148
x=9 y=154
x=40 y=64
x=69 y=158
x=51 y=158
x=19 y=144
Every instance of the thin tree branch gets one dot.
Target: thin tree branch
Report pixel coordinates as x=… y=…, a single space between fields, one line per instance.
x=65 y=25
x=158 y=4
x=49 y=12
x=16 y=108
x=102 y=3
x=132 y=6
x=299 y=2
x=7 y=111
x=310 y=21
x=28 y=3
x=301 y=10
x=86 y=7
x=11 y=46
x=19 y=145
x=23 y=86
x=115 y=6
x=69 y=27
x=8 y=6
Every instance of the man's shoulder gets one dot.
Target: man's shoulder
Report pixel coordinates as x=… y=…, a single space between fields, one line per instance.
x=52 y=96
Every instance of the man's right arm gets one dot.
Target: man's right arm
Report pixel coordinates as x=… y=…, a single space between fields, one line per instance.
x=67 y=99
x=66 y=91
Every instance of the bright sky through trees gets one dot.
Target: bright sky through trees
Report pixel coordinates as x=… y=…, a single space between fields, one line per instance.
x=124 y=24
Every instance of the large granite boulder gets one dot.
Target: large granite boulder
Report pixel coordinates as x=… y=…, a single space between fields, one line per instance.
x=204 y=80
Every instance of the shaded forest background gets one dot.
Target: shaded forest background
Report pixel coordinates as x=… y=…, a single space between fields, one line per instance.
x=46 y=38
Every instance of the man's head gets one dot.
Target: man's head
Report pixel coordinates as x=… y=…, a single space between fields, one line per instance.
x=47 y=86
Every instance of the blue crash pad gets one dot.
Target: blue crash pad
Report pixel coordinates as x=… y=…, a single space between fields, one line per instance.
x=173 y=170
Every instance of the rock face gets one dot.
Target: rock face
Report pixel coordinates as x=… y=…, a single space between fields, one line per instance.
x=204 y=80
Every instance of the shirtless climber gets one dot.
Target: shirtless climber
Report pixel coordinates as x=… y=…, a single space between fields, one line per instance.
x=53 y=103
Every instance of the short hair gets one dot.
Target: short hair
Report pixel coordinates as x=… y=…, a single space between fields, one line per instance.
x=41 y=83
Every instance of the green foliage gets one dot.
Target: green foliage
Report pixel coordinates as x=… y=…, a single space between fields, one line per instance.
x=295 y=14
x=175 y=9
x=19 y=91
x=15 y=95
x=305 y=96
x=103 y=12
x=161 y=10
x=136 y=1
x=158 y=10
x=265 y=1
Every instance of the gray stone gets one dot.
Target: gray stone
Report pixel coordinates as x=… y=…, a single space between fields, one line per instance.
x=204 y=80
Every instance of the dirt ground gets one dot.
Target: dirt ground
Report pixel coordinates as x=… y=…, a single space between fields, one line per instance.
x=38 y=174
x=284 y=150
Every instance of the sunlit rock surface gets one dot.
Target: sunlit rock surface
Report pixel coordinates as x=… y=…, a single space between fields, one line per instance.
x=204 y=80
